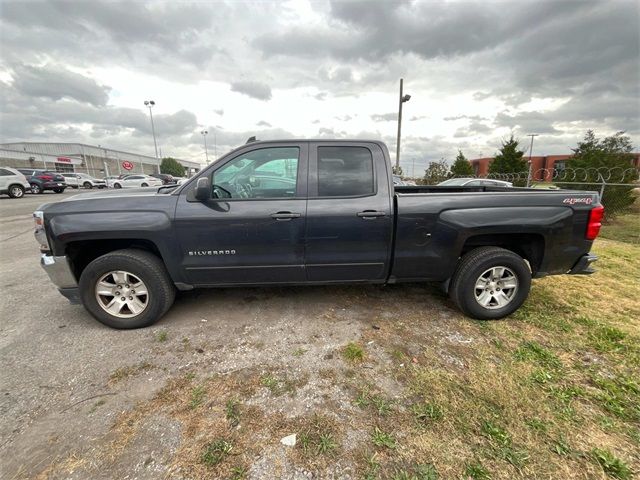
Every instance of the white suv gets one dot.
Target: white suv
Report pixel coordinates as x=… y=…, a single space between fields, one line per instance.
x=13 y=183
x=135 y=181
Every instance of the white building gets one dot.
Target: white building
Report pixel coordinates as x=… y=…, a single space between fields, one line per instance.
x=77 y=157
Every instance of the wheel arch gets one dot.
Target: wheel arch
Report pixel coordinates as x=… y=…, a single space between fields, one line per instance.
x=82 y=252
x=530 y=246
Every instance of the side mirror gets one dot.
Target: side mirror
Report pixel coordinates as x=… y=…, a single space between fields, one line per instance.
x=203 y=189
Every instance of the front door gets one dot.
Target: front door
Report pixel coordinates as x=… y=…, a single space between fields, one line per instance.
x=349 y=213
x=251 y=229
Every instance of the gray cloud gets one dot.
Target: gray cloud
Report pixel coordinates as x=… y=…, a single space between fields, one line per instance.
x=262 y=123
x=384 y=117
x=56 y=82
x=258 y=90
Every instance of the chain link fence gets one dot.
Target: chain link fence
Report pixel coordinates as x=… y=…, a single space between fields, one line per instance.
x=619 y=188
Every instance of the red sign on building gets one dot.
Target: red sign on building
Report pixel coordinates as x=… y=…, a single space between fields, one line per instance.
x=127 y=165
x=63 y=160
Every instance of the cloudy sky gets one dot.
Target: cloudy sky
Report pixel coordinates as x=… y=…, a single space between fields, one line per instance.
x=476 y=71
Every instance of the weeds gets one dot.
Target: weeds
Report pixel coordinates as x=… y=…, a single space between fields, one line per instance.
x=353 y=352
x=383 y=439
x=232 y=412
x=197 y=397
x=533 y=351
x=318 y=438
x=426 y=413
x=612 y=465
x=162 y=336
x=476 y=471
x=215 y=452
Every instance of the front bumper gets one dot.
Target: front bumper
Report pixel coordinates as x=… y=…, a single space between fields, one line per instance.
x=583 y=265
x=61 y=275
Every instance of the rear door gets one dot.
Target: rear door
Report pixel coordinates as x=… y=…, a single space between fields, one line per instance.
x=251 y=230
x=349 y=213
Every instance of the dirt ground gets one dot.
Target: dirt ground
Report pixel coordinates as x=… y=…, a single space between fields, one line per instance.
x=67 y=379
x=210 y=390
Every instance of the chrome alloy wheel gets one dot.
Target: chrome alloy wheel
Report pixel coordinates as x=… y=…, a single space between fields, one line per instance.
x=122 y=294
x=17 y=192
x=496 y=288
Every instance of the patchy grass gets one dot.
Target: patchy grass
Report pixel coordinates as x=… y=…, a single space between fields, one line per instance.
x=383 y=439
x=216 y=451
x=123 y=373
x=624 y=228
x=197 y=396
x=353 y=352
x=551 y=392
x=280 y=385
x=612 y=465
x=162 y=336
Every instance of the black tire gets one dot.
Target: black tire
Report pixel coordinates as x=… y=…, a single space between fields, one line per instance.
x=471 y=267
x=144 y=265
x=75 y=187
x=87 y=185
x=144 y=185
x=35 y=188
x=16 y=191
x=117 y=185
x=58 y=190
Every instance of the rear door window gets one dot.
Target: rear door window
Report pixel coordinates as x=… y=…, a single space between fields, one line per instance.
x=345 y=172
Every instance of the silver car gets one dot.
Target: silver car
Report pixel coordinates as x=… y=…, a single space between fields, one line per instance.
x=13 y=183
x=475 y=182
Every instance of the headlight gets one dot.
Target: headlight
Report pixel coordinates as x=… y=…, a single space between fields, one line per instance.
x=40 y=234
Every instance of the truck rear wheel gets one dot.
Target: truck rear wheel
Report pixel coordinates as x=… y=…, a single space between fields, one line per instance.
x=490 y=283
x=127 y=289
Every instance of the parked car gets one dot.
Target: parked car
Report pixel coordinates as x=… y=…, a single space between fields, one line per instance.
x=13 y=183
x=134 y=181
x=89 y=182
x=475 y=182
x=166 y=178
x=72 y=180
x=343 y=222
x=41 y=180
x=397 y=180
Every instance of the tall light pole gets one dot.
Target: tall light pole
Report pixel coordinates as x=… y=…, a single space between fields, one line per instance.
x=215 y=145
x=532 y=135
x=149 y=104
x=206 y=151
x=401 y=99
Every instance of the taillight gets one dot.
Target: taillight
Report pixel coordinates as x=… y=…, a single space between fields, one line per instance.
x=595 y=222
x=45 y=177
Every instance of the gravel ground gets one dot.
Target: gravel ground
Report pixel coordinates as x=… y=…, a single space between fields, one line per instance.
x=67 y=379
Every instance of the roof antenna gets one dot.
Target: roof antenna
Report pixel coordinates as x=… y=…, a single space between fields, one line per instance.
x=251 y=139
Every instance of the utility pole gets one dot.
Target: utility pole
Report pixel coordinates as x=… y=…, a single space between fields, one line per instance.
x=532 y=135
x=206 y=151
x=150 y=104
x=401 y=99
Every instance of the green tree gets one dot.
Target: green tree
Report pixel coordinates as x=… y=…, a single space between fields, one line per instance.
x=461 y=167
x=396 y=170
x=170 y=166
x=604 y=160
x=436 y=172
x=509 y=158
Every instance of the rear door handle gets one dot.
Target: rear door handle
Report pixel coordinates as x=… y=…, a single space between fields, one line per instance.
x=283 y=216
x=370 y=214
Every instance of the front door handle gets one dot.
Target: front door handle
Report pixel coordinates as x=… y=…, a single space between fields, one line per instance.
x=370 y=214
x=284 y=216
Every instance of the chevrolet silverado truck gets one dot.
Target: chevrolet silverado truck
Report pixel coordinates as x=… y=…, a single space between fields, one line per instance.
x=310 y=212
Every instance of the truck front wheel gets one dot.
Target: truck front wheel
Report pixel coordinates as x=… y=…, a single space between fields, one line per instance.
x=490 y=283
x=127 y=289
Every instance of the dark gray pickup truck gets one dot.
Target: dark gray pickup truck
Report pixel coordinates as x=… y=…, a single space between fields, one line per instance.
x=310 y=212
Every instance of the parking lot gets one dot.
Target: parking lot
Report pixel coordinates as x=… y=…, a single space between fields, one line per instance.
x=210 y=390
x=59 y=363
